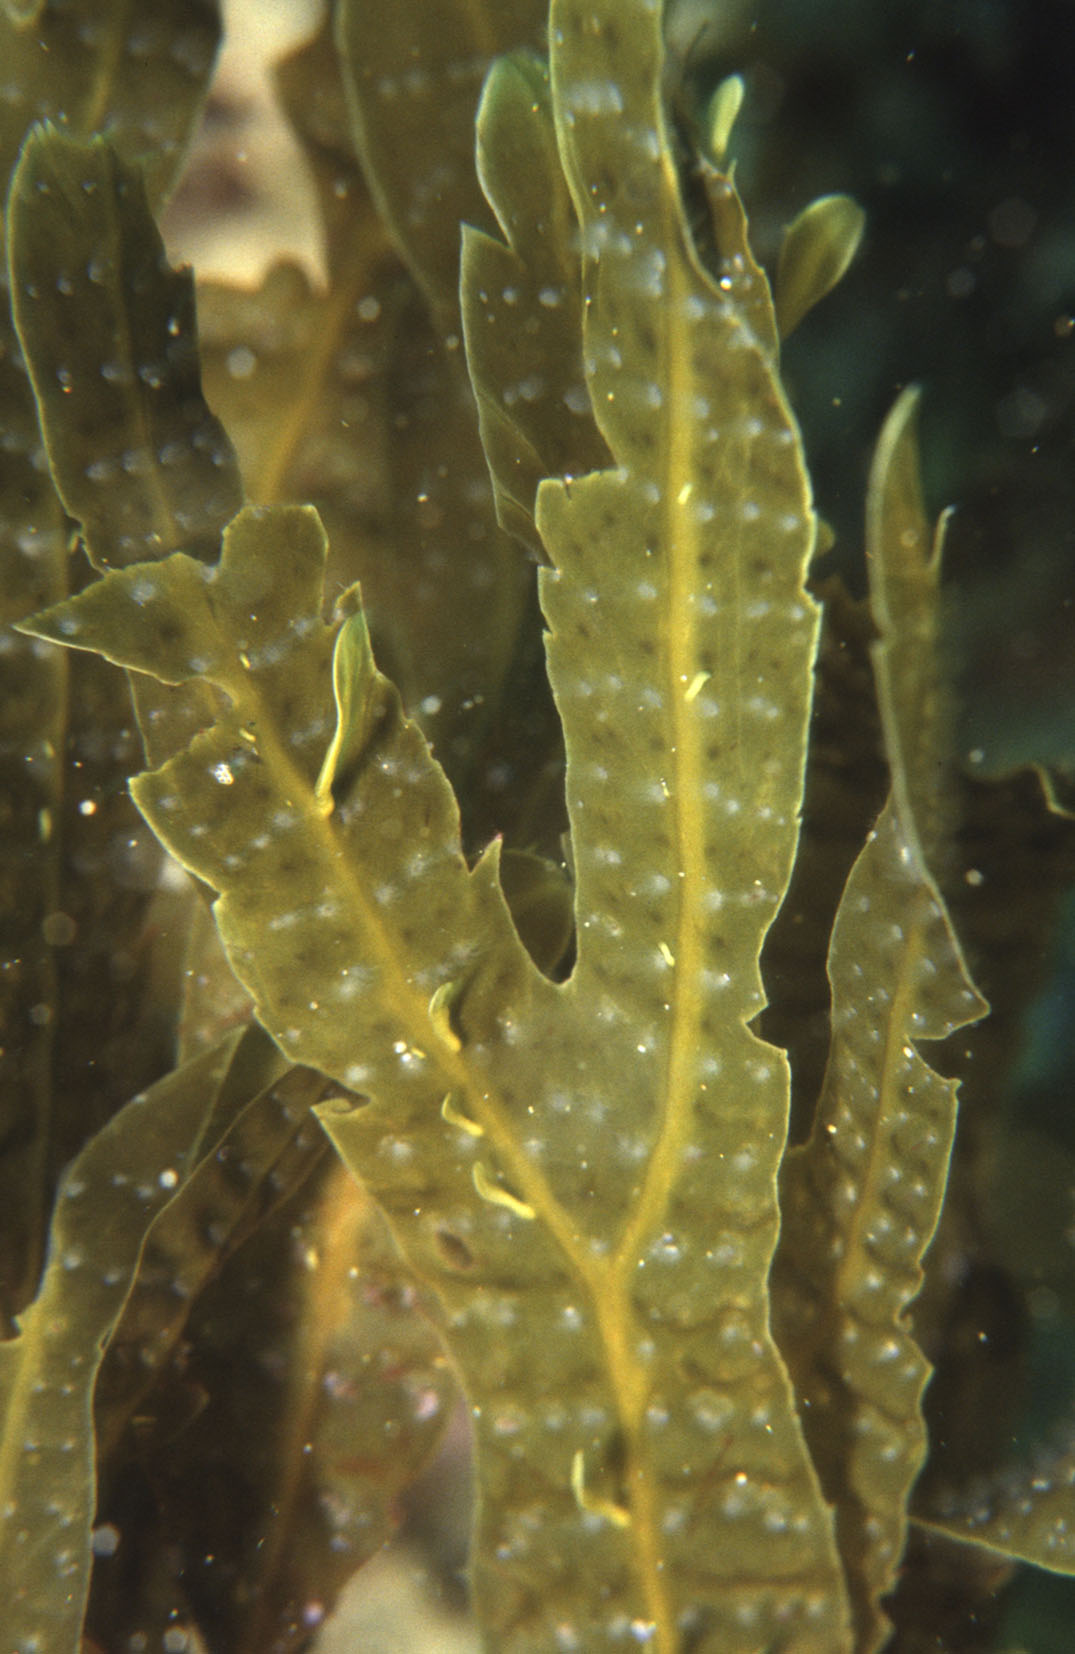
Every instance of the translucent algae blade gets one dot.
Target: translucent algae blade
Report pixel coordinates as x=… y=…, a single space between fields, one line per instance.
x=905 y=568
x=522 y=301
x=321 y=1389
x=414 y=76
x=680 y=653
x=1026 y=1514
x=109 y=336
x=361 y=883
x=250 y=627
x=142 y=69
x=1028 y=1511
x=862 y=1198
x=106 y=1203
x=260 y=1121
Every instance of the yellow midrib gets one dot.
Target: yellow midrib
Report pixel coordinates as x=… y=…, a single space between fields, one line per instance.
x=679 y=547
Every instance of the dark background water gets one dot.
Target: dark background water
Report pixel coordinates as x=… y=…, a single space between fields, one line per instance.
x=953 y=123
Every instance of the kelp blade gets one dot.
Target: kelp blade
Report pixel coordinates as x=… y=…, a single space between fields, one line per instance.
x=143 y=71
x=310 y=1387
x=413 y=81
x=677 y=718
x=521 y=302
x=260 y=1121
x=109 y=336
x=1024 y=1514
x=862 y=1198
x=107 y=1201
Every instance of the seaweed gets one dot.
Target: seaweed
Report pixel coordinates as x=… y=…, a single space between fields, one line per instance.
x=504 y=1105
